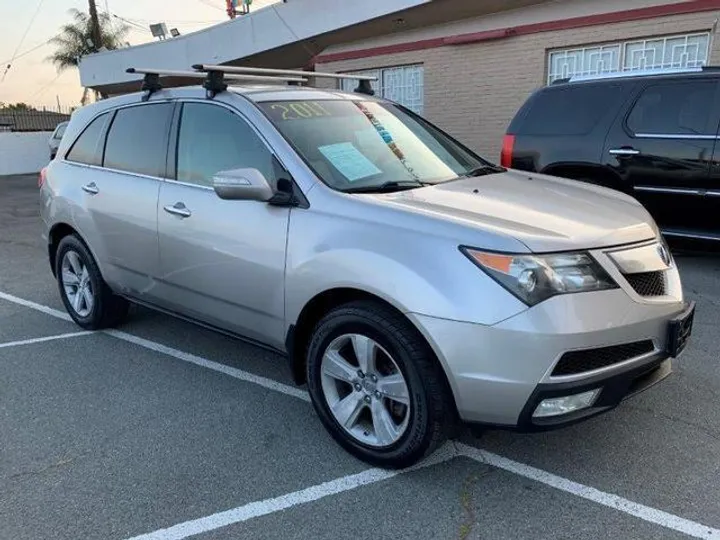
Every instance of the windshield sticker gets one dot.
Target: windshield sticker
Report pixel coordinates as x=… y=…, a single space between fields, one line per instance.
x=387 y=137
x=349 y=161
x=299 y=110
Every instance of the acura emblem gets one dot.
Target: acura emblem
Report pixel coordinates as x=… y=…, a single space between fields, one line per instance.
x=664 y=255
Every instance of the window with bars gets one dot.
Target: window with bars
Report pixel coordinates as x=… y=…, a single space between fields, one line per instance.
x=403 y=84
x=668 y=52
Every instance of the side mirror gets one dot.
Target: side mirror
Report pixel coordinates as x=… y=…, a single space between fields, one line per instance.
x=242 y=185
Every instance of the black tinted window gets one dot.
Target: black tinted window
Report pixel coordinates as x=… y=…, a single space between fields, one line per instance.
x=572 y=110
x=213 y=139
x=137 y=141
x=87 y=148
x=674 y=109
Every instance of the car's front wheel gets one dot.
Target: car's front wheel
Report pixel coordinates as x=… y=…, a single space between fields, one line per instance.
x=377 y=386
x=86 y=296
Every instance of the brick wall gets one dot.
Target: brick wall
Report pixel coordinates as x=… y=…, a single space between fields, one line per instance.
x=473 y=91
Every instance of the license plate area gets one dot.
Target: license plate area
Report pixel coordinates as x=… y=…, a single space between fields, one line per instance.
x=680 y=330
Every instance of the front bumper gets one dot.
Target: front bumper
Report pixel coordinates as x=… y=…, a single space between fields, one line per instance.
x=499 y=374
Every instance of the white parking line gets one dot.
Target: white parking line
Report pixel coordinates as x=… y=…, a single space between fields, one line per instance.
x=37 y=307
x=289 y=500
x=42 y=339
x=180 y=355
x=260 y=508
x=646 y=513
x=209 y=364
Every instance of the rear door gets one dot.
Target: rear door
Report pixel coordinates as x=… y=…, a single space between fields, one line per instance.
x=122 y=196
x=663 y=148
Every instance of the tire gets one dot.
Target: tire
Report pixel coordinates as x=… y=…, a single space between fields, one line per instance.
x=420 y=426
x=97 y=309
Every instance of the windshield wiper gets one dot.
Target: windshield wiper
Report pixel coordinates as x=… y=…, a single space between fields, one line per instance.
x=485 y=170
x=388 y=187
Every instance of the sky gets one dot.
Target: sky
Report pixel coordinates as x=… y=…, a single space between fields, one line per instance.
x=27 y=24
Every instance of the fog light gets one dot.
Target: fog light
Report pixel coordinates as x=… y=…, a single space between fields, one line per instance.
x=565 y=404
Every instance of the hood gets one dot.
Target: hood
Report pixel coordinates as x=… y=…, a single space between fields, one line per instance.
x=543 y=212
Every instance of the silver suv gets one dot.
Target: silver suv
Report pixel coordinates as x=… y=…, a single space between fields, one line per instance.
x=413 y=285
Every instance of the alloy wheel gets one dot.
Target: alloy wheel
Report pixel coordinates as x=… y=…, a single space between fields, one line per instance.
x=77 y=284
x=365 y=390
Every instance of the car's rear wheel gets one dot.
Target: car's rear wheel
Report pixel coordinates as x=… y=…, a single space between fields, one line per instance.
x=86 y=296
x=377 y=386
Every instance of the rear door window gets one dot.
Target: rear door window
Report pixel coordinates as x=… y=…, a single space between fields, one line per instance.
x=137 y=140
x=87 y=148
x=570 y=110
x=674 y=108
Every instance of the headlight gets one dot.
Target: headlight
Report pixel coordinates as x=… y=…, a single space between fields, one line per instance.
x=535 y=278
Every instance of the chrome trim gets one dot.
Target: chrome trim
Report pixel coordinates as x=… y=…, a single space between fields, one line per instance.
x=675 y=191
x=654 y=354
x=635 y=73
x=636 y=260
x=188 y=184
x=116 y=171
x=624 y=152
x=676 y=136
x=696 y=236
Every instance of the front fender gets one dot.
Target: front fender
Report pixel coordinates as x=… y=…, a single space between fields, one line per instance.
x=413 y=271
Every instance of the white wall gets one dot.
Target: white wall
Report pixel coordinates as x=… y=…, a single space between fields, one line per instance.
x=262 y=30
x=24 y=153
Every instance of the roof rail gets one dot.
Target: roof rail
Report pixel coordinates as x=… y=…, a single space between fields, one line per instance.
x=635 y=73
x=364 y=86
x=214 y=79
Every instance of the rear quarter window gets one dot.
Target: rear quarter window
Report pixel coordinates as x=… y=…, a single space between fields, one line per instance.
x=87 y=149
x=568 y=110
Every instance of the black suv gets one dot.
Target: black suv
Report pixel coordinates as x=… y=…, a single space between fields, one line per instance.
x=653 y=136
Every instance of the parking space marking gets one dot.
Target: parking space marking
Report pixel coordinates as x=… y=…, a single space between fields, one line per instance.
x=246 y=512
x=269 y=506
x=37 y=307
x=270 y=384
x=42 y=339
x=175 y=353
x=646 y=513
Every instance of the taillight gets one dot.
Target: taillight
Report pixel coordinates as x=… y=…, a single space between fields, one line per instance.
x=42 y=177
x=506 y=156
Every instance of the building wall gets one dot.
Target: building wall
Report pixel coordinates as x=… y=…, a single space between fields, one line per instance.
x=473 y=90
x=23 y=153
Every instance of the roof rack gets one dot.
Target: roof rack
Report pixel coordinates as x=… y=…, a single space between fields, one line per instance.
x=635 y=73
x=214 y=79
x=364 y=86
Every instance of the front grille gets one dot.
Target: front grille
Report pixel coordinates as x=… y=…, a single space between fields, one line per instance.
x=648 y=283
x=574 y=362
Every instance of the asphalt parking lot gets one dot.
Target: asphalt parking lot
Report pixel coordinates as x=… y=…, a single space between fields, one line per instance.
x=162 y=430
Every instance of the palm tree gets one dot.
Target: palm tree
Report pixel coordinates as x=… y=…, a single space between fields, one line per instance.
x=75 y=40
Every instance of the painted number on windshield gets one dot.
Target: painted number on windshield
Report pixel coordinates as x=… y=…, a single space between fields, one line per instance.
x=300 y=109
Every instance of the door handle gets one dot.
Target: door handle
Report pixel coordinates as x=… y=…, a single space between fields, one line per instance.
x=178 y=209
x=624 y=152
x=91 y=188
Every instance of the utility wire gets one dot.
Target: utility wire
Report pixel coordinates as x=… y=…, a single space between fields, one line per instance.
x=48 y=85
x=25 y=53
x=211 y=5
x=22 y=39
x=131 y=23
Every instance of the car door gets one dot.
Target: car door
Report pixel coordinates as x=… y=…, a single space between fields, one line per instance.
x=222 y=262
x=663 y=148
x=120 y=194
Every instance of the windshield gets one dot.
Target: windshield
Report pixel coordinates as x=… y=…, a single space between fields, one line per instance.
x=361 y=145
x=60 y=131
